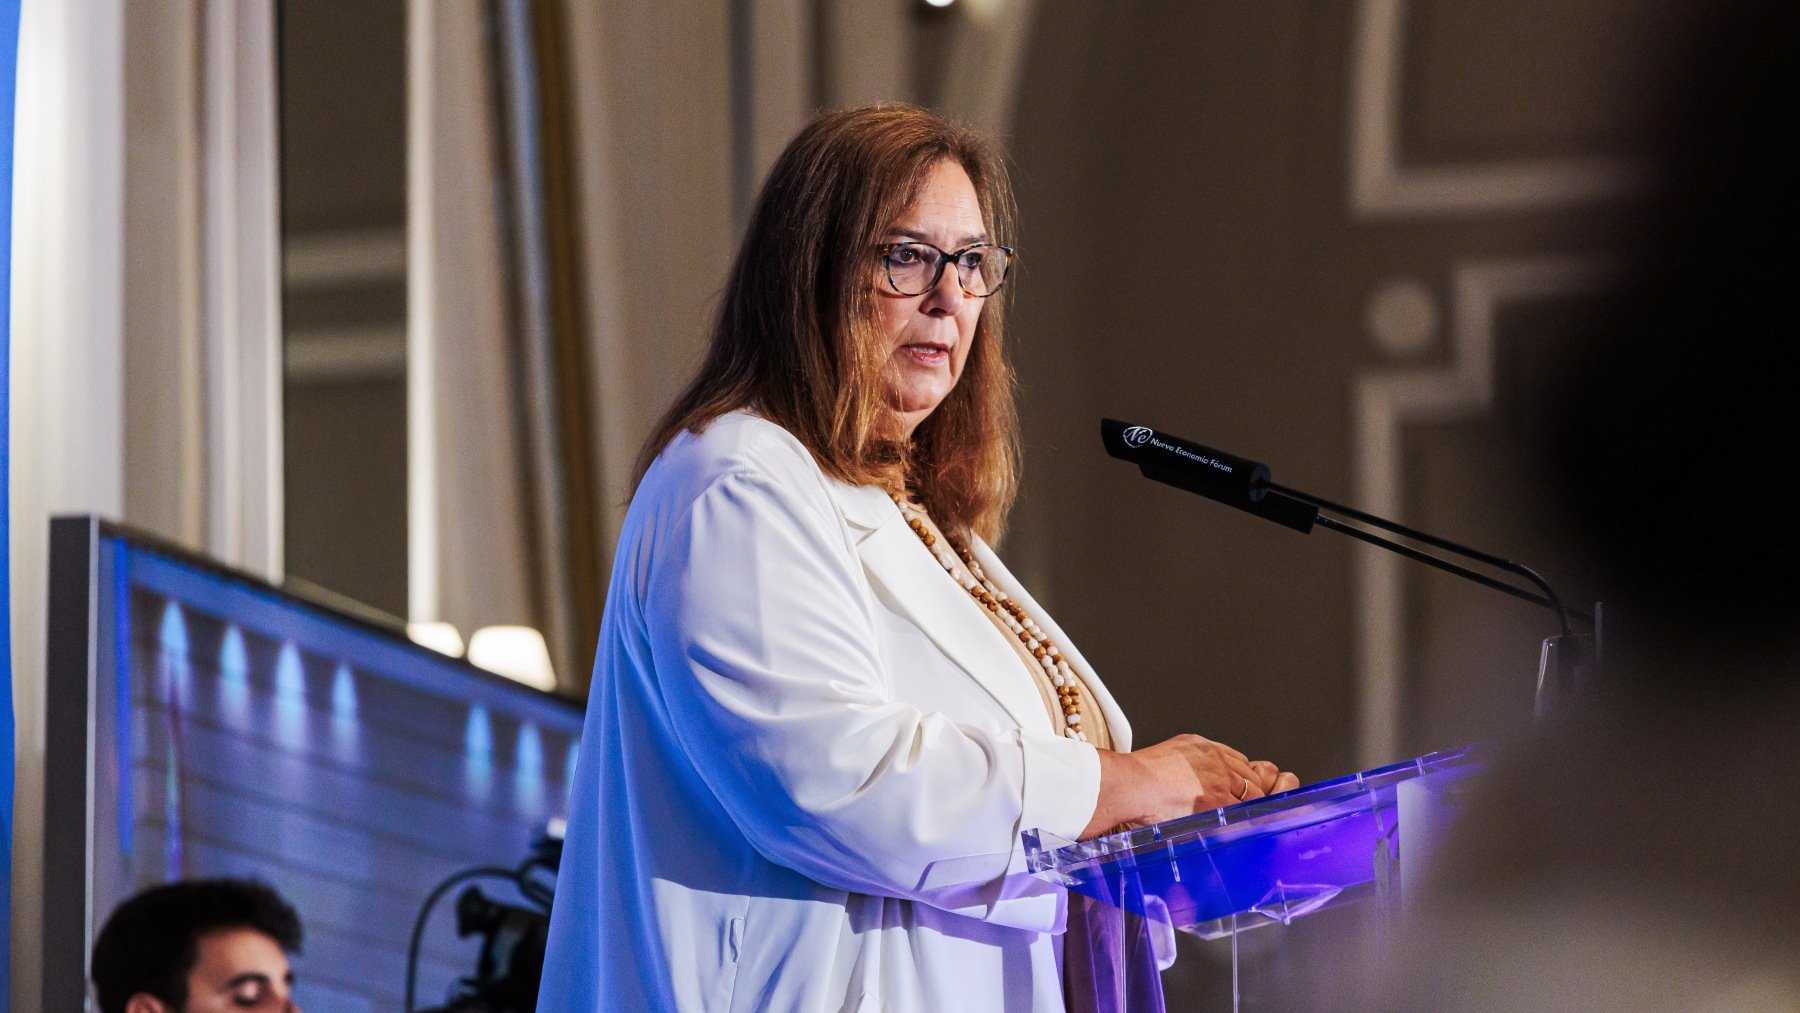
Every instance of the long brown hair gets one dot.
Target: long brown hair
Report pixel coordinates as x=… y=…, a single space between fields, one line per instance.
x=796 y=341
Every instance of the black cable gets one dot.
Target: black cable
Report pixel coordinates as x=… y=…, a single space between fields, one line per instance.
x=431 y=899
x=534 y=890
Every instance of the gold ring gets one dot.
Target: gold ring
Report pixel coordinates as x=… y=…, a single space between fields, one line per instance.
x=1245 y=790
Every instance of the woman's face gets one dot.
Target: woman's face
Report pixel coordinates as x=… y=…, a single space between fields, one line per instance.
x=930 y=334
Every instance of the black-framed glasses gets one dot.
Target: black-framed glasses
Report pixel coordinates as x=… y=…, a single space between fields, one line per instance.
x=914 y=267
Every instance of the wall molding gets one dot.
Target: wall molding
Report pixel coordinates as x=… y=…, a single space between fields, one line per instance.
x=1384 y=402
x=1382 y=186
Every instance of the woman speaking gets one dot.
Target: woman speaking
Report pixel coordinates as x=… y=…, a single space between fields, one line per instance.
x=822 y=710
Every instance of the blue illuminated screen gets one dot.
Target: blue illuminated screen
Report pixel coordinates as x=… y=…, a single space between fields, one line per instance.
x=257 y=734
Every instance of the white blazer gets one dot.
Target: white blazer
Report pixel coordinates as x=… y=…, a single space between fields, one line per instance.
x=807 y=760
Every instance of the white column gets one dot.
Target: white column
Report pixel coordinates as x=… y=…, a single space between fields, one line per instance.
x=656 y=232
x=165 y=400
x=466 y=514
x=241 y=285
x=67 y=355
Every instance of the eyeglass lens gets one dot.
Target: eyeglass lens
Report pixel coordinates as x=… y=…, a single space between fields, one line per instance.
x=914 y=268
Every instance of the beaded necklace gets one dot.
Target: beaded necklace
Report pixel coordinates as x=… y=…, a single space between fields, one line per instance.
x=1011 y=614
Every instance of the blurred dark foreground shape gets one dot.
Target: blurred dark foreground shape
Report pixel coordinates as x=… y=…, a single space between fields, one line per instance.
x=1637 y=851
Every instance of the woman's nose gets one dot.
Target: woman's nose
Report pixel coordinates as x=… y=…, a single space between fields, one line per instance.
x=946 y=297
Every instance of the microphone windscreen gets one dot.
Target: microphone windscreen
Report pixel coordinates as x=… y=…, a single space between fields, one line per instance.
x=1191 y=465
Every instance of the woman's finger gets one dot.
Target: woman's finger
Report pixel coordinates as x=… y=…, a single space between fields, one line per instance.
x=1242 y=788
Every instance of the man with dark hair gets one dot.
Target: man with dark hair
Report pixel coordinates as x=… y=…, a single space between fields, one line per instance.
x=198 y=946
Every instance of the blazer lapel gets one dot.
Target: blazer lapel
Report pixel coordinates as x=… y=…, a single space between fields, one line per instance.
x=1116 y=724
x=909 y=580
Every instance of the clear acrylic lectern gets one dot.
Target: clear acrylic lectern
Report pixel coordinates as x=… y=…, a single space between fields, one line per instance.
x=1270 y=861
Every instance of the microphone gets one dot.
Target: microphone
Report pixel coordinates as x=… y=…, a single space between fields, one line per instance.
x=1223 y=478
x=1245 y=484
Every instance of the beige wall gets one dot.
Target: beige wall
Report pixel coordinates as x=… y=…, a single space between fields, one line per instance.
x=1342 y=239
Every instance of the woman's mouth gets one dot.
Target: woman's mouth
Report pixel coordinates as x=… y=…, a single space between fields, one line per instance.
x=927 y=353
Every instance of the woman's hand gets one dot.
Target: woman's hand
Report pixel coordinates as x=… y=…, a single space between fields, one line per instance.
x=1176 y=777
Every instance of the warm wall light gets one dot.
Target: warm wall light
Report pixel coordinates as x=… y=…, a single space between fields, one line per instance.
x=440 y=637
x=517 y=652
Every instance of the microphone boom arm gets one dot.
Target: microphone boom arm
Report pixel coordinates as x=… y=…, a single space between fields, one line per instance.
x=1246 y=484
x=1548 y=599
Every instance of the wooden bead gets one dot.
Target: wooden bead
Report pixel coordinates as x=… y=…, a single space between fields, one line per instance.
x=1011 y=615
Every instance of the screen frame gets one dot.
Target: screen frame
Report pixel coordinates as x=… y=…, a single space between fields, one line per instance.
x=94 y=564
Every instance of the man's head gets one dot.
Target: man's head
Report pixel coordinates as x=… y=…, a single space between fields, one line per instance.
x=197 y=945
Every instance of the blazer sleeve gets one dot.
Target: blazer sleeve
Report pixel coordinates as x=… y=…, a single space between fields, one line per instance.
x=767 y=660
